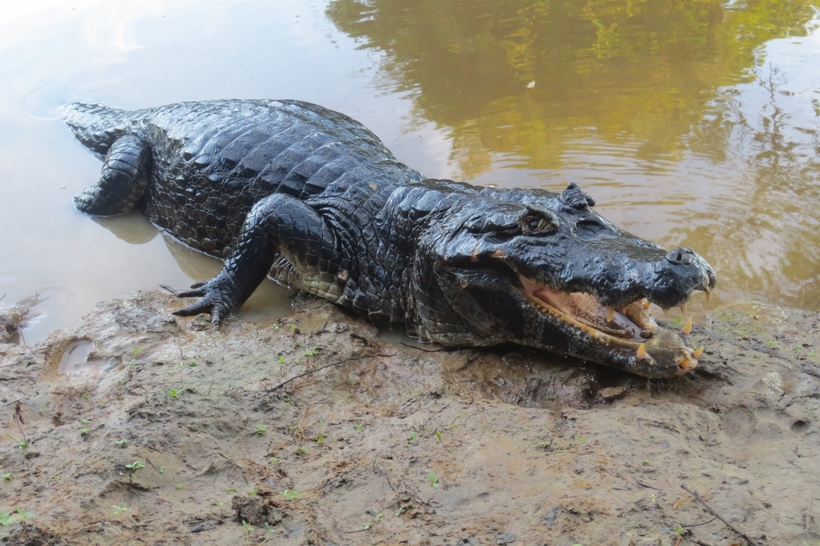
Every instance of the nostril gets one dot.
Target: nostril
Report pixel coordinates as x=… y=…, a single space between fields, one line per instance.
x=681 y=256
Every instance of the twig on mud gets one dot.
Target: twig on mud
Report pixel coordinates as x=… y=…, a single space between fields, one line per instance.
x=694 y=493
x=181 y=356
x=423 y=349
x=173 y=291
x=152 y=465
x=386 y=475
x=698 y=524
x=307 y=408
x=320 y=368
x=646 y=485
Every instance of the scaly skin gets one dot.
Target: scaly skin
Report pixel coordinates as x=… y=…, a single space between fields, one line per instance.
x=312 y=199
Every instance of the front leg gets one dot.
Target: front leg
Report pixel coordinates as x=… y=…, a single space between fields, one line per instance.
x=279 y=225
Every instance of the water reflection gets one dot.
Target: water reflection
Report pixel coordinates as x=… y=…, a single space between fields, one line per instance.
x=521 y=77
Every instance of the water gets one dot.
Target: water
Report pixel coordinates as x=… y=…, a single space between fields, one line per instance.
x=690 y=123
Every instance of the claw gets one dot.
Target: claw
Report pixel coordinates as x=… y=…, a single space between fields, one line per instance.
x=610 y=314
x=698 y=352
x=641 y=351
x=194 y=293
x=688 y=328
x=708 y=294
x=683 y=308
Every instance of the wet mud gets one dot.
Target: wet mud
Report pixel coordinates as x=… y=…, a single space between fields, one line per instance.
x=139 y=427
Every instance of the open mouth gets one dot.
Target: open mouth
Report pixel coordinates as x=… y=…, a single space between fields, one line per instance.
x=629 y=330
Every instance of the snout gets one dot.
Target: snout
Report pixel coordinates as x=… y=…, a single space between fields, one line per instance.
x=678 y=274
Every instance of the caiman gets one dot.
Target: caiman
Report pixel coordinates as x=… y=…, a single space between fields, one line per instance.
x=312 y=199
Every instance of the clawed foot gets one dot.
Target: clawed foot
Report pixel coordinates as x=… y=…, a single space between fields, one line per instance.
x=216 y=299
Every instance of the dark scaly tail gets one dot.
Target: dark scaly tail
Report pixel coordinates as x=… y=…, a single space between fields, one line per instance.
x=97 y=126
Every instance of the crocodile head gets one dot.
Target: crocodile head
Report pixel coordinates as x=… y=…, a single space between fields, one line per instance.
x=543 y=270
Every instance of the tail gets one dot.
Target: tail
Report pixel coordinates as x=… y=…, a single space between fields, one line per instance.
x=96 y=126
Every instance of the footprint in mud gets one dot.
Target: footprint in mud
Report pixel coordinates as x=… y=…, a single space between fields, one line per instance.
x=73 y=361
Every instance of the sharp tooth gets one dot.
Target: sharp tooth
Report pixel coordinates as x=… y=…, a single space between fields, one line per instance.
x=687 y=328
x=610 y=314
x=698 y=352
x=641 y=351
x=683 y=308
x=708 y=294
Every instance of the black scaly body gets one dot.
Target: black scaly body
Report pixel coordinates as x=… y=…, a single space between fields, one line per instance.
x=313 y=199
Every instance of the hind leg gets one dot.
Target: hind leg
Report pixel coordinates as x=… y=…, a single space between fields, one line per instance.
x=123 y=179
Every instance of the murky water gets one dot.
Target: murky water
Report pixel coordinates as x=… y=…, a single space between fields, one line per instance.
x=692 y=123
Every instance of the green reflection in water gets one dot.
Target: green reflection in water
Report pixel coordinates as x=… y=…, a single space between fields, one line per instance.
x=639 y=70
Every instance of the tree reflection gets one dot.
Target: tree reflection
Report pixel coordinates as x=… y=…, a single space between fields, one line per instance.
x=637 y=70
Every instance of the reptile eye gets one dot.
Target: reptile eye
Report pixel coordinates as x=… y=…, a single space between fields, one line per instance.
x=538 y=224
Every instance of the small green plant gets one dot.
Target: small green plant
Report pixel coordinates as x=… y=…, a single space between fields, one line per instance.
x=412 y=437
x=274 y=460
x=771 y=343
x=119 y=510
x=400 y=511
x=248 y=529
x=161 y=469
x=433 y=479
x=320 y=440
x=85 y=421
x=358 y=426
x=7 y=476
x=377 y=517
x=22 y=444
x=134 y=353
x=260 y=429
x=312 y=351
x=180 y=486
x=24 y=516
x=173 y=393
x=87 y=398
x=133 y=467
x=281 y=360
x=291 y=494
x=5 y=519
x=121 y=443
x=253 y=492
x=302 y=450
x=438 y=435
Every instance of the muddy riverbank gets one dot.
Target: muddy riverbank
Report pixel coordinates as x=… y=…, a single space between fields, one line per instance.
x=168 y=432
